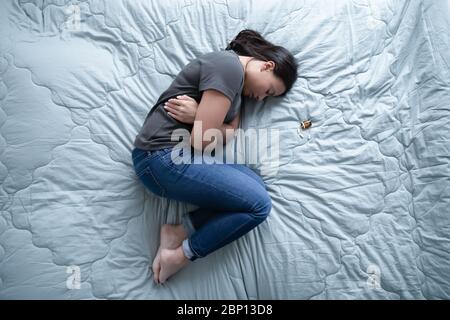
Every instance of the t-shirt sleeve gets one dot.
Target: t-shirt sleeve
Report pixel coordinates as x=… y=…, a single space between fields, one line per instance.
x=223 y=74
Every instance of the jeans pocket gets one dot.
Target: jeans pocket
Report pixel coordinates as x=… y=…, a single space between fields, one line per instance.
x=138 y=154
x=145 y=175
x=175 y=160
x=176 y=156
x=141 y=159
x=151 y=182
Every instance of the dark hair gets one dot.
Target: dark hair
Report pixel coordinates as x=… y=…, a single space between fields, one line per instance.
x=250 y=43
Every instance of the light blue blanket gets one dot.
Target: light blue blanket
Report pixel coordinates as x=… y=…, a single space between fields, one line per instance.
x=360 y=200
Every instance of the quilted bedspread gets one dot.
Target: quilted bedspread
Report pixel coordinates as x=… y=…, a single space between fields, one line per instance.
x=360 y=200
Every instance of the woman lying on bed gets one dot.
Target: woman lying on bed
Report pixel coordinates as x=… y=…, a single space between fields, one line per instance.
x=206 y=94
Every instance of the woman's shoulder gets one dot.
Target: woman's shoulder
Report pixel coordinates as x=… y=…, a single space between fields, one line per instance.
x=218 y=59
x=224 y=56
x=220 y=53
x=223 y=61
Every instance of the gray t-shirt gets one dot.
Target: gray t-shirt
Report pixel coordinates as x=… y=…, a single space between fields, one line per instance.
x=219 y=70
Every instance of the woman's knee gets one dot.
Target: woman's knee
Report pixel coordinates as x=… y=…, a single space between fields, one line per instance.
x=262 y=207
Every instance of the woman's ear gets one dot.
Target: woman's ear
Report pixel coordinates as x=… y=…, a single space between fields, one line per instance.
x=268 y=66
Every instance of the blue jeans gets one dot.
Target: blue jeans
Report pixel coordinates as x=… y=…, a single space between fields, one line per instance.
x=232 y=198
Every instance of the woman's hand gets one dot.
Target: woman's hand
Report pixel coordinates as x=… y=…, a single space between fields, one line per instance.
x=183 y=108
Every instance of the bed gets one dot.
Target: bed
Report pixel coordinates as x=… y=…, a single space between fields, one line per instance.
x=360 y=199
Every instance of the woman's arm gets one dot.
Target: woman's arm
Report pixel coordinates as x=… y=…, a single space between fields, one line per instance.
x=229 y=129
x=235 y=122
x=211 y=113
x=184 y=109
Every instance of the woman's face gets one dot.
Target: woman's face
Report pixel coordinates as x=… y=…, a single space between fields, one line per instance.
x=260 y=81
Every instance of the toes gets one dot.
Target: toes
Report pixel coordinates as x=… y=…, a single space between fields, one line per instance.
x=161 y=278
x=156 y=265
x=156 y=274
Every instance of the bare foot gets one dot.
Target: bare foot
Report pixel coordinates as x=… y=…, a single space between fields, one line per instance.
x=172 y=261
x=171 y=237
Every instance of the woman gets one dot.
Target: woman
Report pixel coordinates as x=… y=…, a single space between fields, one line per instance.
x=207 y=94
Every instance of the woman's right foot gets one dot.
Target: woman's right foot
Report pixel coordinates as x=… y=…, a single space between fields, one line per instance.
x=171 y=237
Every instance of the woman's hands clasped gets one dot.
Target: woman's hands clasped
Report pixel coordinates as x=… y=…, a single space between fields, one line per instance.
x=182 y=108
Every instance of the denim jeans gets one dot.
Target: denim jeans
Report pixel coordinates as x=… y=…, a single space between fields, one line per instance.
x=232 y=198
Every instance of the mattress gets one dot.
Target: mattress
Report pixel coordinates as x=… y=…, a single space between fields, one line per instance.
x=360 y=200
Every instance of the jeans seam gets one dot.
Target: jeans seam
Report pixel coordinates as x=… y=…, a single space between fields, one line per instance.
x=149 y=155
x=142 y=157
x=163 y=191
x=196 y=255
x=143 y=172
x=139 y=157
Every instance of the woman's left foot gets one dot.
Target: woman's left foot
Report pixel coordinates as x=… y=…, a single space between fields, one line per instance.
x=172 y=261
x=171 y=237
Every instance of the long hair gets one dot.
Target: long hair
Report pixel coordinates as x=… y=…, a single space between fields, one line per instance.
x=250 y=43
